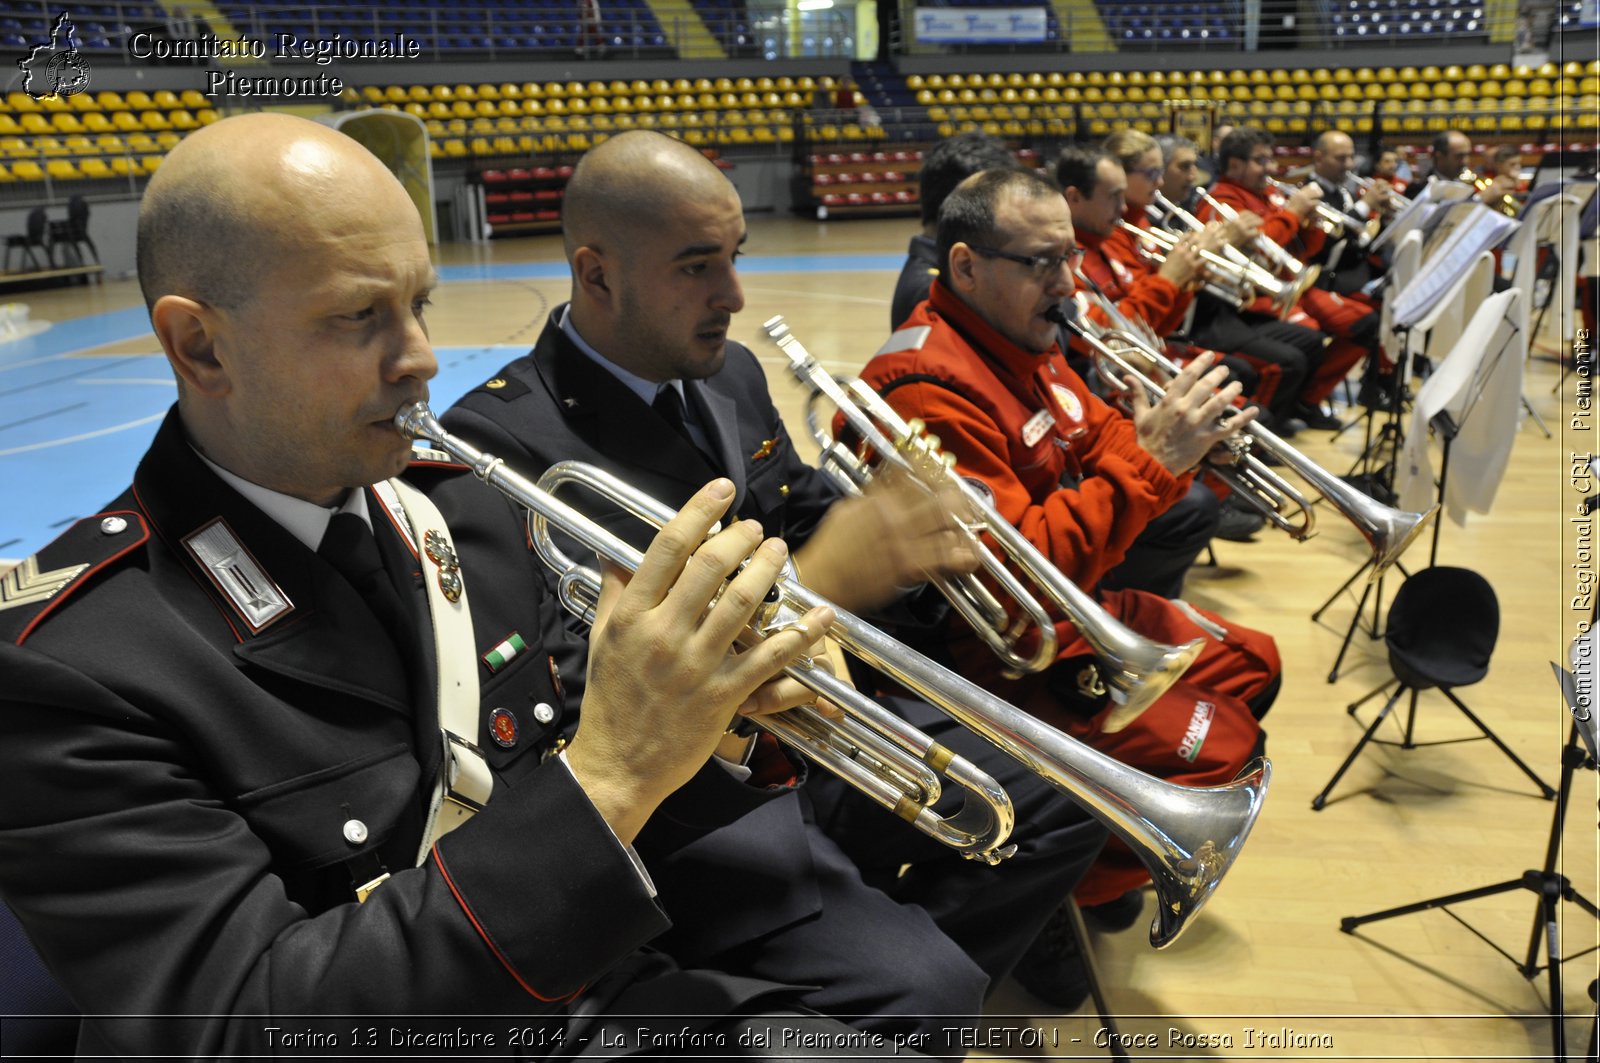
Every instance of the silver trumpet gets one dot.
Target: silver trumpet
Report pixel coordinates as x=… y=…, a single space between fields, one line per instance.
x=1187 y=837
x=1120 y=352
x=1269 y=250
x=1224 y=279
x=1283 y=293
x=1137 y=670
x=1329 y=219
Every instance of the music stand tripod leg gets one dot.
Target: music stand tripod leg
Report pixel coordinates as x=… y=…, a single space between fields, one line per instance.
x=1366 y=736
x=1544 y=787
x=1548 y=884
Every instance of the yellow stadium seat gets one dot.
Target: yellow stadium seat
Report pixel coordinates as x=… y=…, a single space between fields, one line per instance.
x=182 y=119
x=155 y=120
x=95 y=169
x=8 y=125
x=22 y=103
x=27 y=170
x=139 y=101
x=37 y=124
x=5 y=174
x=66 y=122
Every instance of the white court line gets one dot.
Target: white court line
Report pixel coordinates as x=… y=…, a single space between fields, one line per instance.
x=867 y=299
x=45 y=444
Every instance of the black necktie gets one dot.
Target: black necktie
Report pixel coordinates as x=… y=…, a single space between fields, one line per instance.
x=669 y=404
x=349 y=546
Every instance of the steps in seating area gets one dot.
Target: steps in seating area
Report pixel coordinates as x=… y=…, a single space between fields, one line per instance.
x=686 y=31
x=1082 y=26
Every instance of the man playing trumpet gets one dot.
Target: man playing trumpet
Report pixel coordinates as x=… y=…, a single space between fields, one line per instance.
x=637 y=374
x=1290 y=224
x=979 y=364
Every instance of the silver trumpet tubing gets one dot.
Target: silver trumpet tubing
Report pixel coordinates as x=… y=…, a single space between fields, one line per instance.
x=1269 y=250
x=1137 y=670
x=1187 y=837
x=1224 y=279
x=1328 y=218
x=1388 y=531
x=1283 y=293
x=874 y=750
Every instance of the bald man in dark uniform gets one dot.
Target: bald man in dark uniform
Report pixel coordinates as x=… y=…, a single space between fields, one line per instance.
x=637 y=374
x=292 y=727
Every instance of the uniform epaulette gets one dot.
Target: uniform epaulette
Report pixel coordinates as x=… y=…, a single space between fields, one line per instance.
x=504 y=388
x=42 y=582
x=909 y=338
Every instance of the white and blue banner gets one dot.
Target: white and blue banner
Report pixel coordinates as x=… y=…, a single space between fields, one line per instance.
x=989 y=25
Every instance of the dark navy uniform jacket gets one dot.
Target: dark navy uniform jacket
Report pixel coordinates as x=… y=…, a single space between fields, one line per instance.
x=179 y=776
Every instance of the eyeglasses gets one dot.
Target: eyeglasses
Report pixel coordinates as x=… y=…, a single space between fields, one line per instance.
x=1042 y=266
x=1152 y=174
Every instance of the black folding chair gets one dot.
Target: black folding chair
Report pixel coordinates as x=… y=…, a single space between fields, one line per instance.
x=1442 y=629
x=72 y=233
x=36 y=236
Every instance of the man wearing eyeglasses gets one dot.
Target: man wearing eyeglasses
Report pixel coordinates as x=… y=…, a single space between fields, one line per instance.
x=978 y=362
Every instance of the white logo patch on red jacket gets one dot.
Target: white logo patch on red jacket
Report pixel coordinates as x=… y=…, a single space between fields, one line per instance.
x=1069 y=402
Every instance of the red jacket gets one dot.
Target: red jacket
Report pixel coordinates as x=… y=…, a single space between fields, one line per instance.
x=1129 y=280
x=1278 y=224
x=1028 y=428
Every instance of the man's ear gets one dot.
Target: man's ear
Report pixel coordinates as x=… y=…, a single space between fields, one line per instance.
x=960 y=275
x=188 y=332
x=589 y=273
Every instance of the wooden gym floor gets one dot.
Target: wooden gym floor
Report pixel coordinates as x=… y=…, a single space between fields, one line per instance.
x=1267 y=955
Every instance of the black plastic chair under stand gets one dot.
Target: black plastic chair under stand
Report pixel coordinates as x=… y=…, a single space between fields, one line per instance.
x=72 y=233
x=38 y=227
x=1442 y=629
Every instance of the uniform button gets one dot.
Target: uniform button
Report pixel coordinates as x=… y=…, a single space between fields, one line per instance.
x=355 y=832
x=544 y=713
x=113 y=526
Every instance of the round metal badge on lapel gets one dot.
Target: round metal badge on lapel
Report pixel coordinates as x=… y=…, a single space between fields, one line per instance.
x=503 y=728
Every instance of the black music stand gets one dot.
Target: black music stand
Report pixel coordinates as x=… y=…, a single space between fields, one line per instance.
x=1457 y=238
x=1550 y=886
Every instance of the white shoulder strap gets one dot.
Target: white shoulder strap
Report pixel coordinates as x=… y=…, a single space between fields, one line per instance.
x=464 y=782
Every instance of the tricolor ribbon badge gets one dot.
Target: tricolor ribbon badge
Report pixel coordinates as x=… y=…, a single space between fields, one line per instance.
x=502 y=654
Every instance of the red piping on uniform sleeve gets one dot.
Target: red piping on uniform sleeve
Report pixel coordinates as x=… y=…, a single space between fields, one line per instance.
x=438 y=858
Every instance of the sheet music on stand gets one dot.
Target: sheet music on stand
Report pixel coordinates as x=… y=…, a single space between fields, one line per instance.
x=1470 y=230
x=1420 y=211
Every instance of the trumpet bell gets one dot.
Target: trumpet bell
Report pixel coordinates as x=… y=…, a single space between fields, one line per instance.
x=1214 y=827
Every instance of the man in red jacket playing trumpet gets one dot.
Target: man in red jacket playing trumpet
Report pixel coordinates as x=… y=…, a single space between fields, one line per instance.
x=978 y=362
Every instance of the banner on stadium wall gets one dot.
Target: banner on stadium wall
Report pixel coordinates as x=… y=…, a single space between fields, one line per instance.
x=989 y=25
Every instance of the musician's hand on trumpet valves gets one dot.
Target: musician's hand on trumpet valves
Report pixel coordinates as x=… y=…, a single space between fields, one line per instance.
x=662 y=685
x=896 y=535
x=1241 y=229
x=1188 y=422
x=1183 y=265
x=1303 y=203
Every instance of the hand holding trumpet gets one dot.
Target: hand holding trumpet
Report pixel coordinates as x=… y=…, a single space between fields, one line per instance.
x=663 y=684
x=1188 y=422
x=1305 y=200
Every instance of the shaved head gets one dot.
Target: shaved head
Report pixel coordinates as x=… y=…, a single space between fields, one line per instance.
x=628 y=184
x=229 y=200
